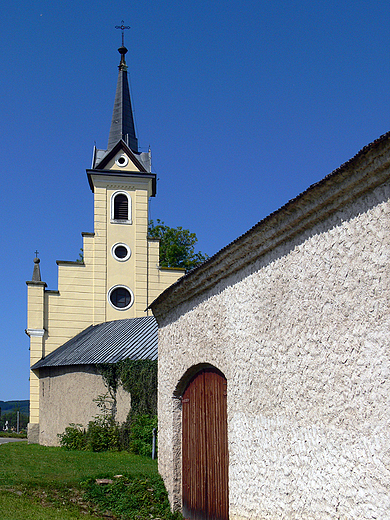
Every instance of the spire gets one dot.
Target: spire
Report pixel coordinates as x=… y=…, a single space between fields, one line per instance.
x=36 y=277
x=122 y=124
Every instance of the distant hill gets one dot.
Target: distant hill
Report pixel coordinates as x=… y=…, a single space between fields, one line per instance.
x=10 y=406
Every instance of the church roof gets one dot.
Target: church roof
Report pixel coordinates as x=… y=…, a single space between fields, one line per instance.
x=107 y=342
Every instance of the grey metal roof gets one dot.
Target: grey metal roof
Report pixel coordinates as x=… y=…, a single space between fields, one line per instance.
x=107 y=342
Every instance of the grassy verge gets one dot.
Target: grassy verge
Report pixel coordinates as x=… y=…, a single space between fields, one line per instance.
x=41 y=483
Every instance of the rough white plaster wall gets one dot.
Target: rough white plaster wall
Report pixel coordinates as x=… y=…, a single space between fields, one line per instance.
x=66 y=396
x=303 y=339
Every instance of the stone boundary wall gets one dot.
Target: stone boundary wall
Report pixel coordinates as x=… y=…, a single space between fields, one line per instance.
x=302 y=336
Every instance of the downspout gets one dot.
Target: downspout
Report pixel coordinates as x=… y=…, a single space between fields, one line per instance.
x=147 y=263
x=147 y=275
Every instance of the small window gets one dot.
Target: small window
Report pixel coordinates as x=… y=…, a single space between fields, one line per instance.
x=122 y=161
x=121 y=252
x=120 y=297
x=121 y=207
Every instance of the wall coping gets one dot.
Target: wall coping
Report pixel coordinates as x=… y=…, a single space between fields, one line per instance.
x=365 y=171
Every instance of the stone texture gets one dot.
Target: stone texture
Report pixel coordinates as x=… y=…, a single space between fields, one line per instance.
x=301 y=334
x=33 y=433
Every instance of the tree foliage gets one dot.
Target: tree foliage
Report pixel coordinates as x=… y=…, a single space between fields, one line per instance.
x=177 y=246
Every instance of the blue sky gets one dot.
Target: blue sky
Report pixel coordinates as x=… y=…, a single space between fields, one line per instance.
x=244 y=104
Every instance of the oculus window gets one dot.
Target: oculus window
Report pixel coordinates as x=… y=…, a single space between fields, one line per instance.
x=120 y=297
x=122 y=161
x=121 y=252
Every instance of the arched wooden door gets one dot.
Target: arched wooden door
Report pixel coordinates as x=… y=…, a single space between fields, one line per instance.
x=205 y=447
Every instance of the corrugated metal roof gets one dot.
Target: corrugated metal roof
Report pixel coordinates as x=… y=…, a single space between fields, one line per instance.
x=108 y=342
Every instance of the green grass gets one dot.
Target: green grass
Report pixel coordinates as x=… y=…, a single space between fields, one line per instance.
x=41 y=483
x=16 y=507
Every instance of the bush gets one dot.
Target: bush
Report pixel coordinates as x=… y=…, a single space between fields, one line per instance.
x=74 y=437
x=141 y=433
x=103 y=435
x=13 y=435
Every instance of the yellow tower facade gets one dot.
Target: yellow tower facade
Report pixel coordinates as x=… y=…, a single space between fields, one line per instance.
x=120 y=274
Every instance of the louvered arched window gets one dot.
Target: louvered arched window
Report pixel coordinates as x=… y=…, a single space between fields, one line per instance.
x=120 y=207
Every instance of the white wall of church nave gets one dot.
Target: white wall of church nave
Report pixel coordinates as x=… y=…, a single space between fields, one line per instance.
x=303 y=342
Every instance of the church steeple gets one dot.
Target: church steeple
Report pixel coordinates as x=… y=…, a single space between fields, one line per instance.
x=122 y=137
x=122 y=124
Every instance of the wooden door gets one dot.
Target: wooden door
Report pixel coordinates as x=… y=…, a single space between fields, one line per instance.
x=205 y=447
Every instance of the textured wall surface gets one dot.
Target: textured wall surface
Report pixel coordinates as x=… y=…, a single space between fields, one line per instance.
x=302 y=336
x=67 y=396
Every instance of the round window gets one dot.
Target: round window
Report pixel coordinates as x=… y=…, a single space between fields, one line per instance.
x=121 y=252
x=122 y=161
x=120 y=297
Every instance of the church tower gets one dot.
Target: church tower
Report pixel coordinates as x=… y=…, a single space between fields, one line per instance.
x=120 y=274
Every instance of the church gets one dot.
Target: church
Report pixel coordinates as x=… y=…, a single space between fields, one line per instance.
x=274 y=361
x=99 y=313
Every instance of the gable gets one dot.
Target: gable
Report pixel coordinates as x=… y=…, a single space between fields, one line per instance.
x=124 y=162
x=120 y=157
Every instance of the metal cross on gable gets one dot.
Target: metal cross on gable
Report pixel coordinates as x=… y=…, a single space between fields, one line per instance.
x=122 y=27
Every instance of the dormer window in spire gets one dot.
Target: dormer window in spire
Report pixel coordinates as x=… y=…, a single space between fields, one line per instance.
x=120 y=208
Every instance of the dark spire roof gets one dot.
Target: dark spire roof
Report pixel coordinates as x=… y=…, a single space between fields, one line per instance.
x=122 y=124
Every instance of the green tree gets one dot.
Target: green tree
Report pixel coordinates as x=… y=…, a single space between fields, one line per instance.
x=177 y=246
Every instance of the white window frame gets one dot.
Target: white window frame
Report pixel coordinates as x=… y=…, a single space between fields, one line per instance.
x=120 y=286
x=112 y=208
x=117 y=257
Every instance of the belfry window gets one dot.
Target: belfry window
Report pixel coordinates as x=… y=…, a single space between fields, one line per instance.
x=120 y=207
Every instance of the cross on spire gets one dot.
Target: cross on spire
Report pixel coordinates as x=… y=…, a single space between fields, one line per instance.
x=36 y=253
x=122 y=27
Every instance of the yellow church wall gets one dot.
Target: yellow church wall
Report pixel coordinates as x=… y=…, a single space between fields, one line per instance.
x=99 y=262
x=35 y=307
x=164 y=278
x=34 y=398
x=82 y=296
x=36 y=347
x=119 y=272
x=159 y=278
x=141 y=282
x=70 y=310
x=35 y=329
